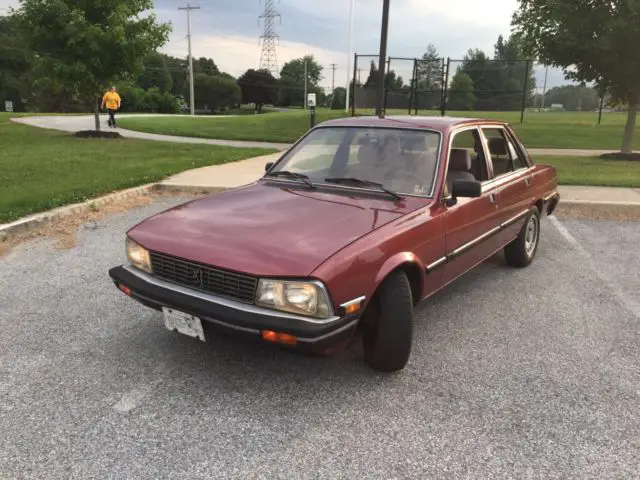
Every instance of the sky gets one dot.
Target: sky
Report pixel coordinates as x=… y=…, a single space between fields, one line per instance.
x=228 y=31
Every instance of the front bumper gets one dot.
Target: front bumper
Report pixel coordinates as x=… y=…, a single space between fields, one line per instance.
x=230 y=315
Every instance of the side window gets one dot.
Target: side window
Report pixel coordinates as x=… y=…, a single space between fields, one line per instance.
x=504 y=156
x=518 y=160
x=466 y=159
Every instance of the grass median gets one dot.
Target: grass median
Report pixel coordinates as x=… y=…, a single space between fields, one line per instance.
x=594 y=171
x=43 y=169
x=540 y=130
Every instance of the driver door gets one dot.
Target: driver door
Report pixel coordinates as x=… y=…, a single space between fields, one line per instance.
x=472 y=223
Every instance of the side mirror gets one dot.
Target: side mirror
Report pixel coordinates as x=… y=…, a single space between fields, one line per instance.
x=464 y=189
x=268 y=166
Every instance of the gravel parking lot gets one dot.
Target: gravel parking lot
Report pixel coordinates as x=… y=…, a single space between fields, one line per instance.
x=530 y=373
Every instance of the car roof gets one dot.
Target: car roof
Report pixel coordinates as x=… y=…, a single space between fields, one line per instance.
x=409 y=121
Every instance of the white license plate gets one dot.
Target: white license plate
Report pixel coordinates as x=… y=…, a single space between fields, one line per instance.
x=183 y=323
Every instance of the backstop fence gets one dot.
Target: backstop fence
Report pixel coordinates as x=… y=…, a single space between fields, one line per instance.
x=441 y=85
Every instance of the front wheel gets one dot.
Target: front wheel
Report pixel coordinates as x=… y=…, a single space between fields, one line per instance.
x=521 y=252
x=388 y=325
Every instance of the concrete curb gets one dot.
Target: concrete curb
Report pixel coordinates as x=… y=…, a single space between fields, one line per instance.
x=598 y=209
x=38 y=220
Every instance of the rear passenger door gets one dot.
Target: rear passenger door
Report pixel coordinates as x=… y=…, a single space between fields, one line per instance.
x=511 y=176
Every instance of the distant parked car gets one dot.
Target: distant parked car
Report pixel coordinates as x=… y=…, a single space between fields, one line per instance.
x=353 y=226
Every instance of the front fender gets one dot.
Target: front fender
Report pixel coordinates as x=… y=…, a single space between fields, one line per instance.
x=402 y=260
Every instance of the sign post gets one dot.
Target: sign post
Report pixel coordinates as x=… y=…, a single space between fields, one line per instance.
x=311 y=103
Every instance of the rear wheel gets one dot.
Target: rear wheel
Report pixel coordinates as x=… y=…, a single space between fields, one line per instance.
x=388 y=325
x=521 y=252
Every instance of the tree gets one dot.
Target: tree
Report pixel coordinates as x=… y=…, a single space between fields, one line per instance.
x=15 y=62
x=206 y=66
x=178 y=68
x=292 y=80
x=461 y=92
x=258 y=87
x=574 y=97
x=500 y=82
x=339 y=98
x=214 y=93
x=88 y=45
x=429 y=78
x=595 y=41
x=156 y=73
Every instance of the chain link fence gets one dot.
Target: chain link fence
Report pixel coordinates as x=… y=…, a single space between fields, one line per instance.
x=442 y=85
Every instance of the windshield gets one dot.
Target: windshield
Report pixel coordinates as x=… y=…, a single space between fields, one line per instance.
x=401 y=160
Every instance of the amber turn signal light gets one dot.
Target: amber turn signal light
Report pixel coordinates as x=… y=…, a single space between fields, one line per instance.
x=276 y=337
x=354 y=307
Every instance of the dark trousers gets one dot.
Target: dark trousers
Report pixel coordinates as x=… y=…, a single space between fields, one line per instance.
x=112 y=117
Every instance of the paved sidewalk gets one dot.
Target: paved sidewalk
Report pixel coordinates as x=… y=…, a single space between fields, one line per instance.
x=76 y=123
x=85 y=122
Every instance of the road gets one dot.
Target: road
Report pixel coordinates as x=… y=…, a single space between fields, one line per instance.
x=529 y=373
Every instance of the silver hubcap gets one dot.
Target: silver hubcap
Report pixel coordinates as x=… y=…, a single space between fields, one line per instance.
x=531 y=236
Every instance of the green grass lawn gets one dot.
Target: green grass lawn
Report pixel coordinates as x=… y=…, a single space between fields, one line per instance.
x=42 y=169
x=594 y=171
x=540 y=130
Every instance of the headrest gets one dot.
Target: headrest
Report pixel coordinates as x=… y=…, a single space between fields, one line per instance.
x=460 y=160
x=368 y=154
x=497 y=146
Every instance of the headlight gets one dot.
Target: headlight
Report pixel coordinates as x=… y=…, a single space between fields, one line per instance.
x=138 y=256
x=304 y=298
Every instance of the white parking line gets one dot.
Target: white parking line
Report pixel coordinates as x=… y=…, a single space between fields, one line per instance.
x=564 y=232
x=627 y=302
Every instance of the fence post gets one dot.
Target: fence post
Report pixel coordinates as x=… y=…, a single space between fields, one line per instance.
x=525 y=90
x=353 y=86
x=386 y=86
x=414 y=83
x=601 y=107
x=445 y=87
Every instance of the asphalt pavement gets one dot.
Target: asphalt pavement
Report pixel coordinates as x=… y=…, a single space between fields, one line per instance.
x=531 y=373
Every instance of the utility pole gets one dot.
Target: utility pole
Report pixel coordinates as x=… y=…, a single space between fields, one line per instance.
x=544 y=89
x=349 y=54
x=333 y=77
x=188 y=8
x=383 y=58
x=305 y=82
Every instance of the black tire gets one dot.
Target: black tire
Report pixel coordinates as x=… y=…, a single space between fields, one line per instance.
x=521 y=252
x=388 y=325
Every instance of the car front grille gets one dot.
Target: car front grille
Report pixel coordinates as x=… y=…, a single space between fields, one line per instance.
x=207 y=279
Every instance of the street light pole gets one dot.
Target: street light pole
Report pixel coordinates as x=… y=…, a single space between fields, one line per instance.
x=383 y=56
x=349 y=54
x=188 y=8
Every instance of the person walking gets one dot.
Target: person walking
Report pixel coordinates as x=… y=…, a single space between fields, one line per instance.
x=112 y=101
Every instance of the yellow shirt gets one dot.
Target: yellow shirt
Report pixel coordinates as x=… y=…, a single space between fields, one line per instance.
x=111 y=100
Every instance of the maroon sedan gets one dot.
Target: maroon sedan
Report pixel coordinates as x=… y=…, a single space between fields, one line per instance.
x=345 y=234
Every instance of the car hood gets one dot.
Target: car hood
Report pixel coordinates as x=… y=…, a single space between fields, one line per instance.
x=268 y=229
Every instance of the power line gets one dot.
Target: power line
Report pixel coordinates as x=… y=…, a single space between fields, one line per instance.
x=268 y=57
x=188 y=8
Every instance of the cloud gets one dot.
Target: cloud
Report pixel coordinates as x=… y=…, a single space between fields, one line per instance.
x=228 y=31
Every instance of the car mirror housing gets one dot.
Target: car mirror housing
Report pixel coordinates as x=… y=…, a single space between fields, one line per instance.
x=464 y=189
x=268 y=166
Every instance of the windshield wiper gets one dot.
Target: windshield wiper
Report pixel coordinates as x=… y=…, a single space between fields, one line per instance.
x=364 y=183
x=297 y=176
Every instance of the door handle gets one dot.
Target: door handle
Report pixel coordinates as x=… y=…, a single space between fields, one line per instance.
x=492 y=197
x=527 y=181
